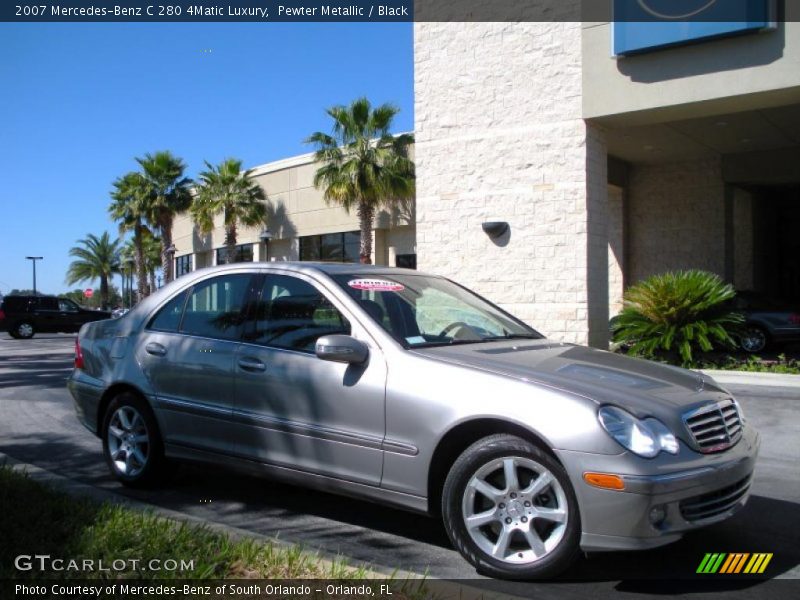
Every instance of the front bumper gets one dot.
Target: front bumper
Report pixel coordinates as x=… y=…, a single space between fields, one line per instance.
x=694 y=490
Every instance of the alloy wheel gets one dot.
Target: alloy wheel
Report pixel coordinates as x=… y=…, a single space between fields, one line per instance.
x=753 y=340
x=515 y=510
x=128 y=441
x=25 y=330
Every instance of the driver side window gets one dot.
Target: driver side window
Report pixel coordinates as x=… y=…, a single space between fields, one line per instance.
x=293 y=314
x=67 y=306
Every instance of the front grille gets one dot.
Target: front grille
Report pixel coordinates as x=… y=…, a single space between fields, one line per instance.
x=707 y=506
x=714 y=427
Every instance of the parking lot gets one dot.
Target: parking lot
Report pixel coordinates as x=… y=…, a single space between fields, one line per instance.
x=38 y=426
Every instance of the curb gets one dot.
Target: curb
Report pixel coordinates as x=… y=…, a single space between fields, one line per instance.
x=748 y=378
x=438 y=588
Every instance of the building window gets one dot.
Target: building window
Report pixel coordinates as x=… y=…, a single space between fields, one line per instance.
x=183 y=265
x=243 y=253
x=406 y=261
x=334 y=247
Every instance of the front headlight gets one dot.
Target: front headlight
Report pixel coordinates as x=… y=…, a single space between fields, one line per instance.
x=645 y=437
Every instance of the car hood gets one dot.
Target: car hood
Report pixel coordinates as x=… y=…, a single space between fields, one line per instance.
x=641 y=386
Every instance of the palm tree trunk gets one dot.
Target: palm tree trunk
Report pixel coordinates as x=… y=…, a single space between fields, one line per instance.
x=230 y=243
x=104 y=292
x=166 y=252
x=366 y=213
x=141 y=272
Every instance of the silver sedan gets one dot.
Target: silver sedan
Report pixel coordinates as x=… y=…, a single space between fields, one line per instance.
x=407 y=389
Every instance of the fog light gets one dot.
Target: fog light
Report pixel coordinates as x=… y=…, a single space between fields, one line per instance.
x=657 y=515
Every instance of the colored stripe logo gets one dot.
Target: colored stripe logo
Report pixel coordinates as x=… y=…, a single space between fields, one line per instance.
x=733 y=563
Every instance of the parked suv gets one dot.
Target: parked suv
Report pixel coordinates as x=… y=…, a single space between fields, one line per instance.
x=24 y=316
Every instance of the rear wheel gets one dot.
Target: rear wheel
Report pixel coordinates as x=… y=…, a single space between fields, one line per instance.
x=23 y=330
x=510 y=509
x=132 y=443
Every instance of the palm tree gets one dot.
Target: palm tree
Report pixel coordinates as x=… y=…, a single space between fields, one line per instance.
x=227 y=190
x=168 y=195
x=129 y=203
x=362 y=164
x=97 y=258
x=151 y=244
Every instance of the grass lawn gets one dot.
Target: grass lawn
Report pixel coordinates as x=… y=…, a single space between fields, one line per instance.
x=40 y=520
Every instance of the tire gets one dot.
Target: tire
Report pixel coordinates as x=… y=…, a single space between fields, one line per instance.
x=132 y=444
x=753 y=339
x=23 y=330
x=540 y=521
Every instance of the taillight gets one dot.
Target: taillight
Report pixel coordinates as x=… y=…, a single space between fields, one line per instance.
x=78 y=355
x=793 y=319
x=2 y=314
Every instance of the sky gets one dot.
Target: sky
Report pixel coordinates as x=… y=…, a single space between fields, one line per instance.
x=79 y=101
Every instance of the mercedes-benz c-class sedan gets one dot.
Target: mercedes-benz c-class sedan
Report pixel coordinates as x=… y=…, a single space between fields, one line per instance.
x=410 y=390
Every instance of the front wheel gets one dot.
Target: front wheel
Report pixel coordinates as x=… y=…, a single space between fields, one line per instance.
x=754 y=339
x=131 y=441
x=510 y=510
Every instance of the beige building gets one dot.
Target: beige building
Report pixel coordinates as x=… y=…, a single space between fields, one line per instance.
x=300 y=226
x=606 y=168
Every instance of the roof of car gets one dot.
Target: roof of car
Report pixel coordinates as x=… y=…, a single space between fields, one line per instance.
x=329 y=268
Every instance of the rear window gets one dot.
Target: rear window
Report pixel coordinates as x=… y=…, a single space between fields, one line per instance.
x=16 y=304
x=48 y=304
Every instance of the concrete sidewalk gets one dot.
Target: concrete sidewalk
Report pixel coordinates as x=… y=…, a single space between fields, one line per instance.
x=748 y=378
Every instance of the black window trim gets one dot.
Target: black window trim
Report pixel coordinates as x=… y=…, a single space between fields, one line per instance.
x=187 y=292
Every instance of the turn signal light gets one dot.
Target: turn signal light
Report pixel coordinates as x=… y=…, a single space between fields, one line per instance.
x=78 y=355
x=604 y=480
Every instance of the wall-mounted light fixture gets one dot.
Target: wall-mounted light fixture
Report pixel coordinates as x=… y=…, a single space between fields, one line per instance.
x=495 y=229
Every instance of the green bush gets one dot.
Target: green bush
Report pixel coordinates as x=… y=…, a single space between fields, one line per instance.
x=675 y=315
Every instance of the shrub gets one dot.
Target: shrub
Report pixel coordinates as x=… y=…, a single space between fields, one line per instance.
x=677 y=314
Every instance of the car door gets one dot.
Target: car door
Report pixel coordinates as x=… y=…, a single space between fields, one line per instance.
x=47 y=314
x=71 y=317
x=188 y=352
x=296 y=410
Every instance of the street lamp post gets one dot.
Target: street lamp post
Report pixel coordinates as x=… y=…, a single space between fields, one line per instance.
x=171 y=254
x=33 y=259
x=265 y=236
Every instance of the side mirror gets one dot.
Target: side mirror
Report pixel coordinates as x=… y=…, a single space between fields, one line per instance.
x=342 y=348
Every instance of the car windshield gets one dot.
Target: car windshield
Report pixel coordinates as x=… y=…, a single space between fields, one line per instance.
x=422 y=311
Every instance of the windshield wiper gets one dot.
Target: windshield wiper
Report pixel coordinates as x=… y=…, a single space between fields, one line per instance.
x=513 y=336
x=452 y=342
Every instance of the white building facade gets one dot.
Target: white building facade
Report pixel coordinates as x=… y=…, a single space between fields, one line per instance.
x=606 y=168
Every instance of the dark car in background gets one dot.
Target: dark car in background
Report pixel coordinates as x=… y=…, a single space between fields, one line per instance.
x=24 y=316
x=767 y=321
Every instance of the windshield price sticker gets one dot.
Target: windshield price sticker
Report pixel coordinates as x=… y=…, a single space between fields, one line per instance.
x=376 y=285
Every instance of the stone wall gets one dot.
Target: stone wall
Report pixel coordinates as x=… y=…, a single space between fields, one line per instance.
x=677 y=218
x=499 y=136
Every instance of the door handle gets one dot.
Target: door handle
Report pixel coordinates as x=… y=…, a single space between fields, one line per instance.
x=252 y=364
x=155 y=349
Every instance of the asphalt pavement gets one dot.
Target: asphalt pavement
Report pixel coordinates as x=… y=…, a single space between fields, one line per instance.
x=38 y=426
